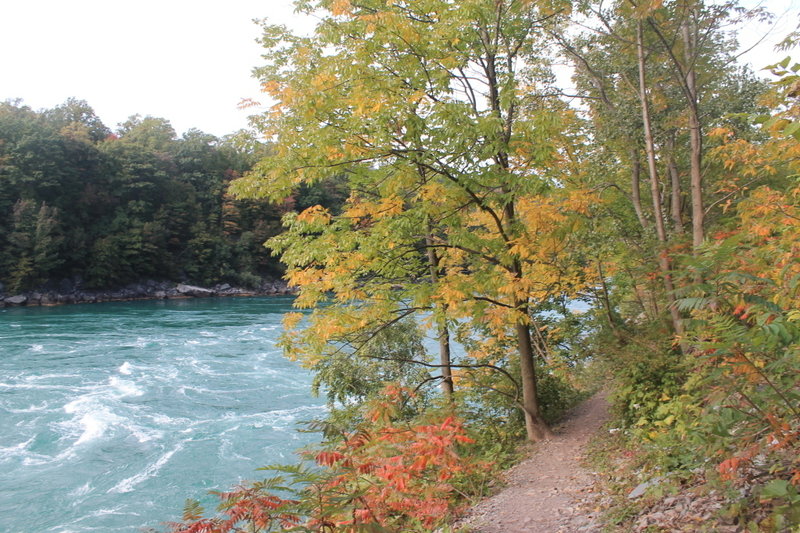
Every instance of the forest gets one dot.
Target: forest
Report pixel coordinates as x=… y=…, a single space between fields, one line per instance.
x=79 y=202
x=635 y=228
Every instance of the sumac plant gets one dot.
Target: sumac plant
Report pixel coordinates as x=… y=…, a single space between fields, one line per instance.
x=389 y=474
x=746 y=330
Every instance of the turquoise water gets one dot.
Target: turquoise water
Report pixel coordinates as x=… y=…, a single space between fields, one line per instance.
x=113 y=414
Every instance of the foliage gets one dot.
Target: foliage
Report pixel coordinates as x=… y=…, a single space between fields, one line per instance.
x=77 y=201
x=389 y=474
x=730 y=402
x=438 y=116
x=392 y=354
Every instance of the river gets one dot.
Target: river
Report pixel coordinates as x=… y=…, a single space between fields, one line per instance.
x=114 y=414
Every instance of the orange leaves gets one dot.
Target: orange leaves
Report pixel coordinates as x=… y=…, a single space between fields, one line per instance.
x=720 y=132
x=727 y=468
x=325 y=458
x=394 y=472
x=291 y=320
x=250 y=505
x=390 y=474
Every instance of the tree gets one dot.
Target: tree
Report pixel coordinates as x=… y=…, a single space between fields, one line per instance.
x=669 y=63
x=436 y=113
x=32 y=252
x=143 y=205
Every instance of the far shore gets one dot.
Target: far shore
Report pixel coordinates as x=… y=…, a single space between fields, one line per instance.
x=69 y=293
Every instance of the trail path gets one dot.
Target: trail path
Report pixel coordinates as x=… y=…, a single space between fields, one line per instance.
x=549 y=492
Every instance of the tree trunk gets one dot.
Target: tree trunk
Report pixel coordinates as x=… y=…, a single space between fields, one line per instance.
x=636 y=194
x=444 y=359
x=441 y=324
x=675 y=186
x=663 y=258
x=695 y=138
x=535 y=426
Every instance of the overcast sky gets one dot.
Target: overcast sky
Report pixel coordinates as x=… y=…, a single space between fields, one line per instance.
x=186 y=61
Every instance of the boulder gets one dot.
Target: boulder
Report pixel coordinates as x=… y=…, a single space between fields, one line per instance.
x=191 y=290
x=19 y=299
x=49 y=298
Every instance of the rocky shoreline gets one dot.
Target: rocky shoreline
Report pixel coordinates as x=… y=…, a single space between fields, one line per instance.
x=68 y=292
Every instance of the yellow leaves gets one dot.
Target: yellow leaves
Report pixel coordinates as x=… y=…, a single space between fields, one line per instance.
x=341 y=7
x=409 y=34
x=323 y=81
x=539 y=214
x=316 y=214
x=581 y=200
x=360 y=210
x=356 y=210
x=433 y=192
x=450 y=295
x=721 y=133
x=305 y=277
x=291 y=320
x=272 y=88
x=392 y=205
x=367 y=104
x=416 y=97
x=333 y=153
x=449 y=62
x=497 y=318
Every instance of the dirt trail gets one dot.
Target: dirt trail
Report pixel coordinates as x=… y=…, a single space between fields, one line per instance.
x=549 y=492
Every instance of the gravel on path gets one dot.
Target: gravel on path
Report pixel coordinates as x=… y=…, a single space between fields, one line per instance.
x=550 y=491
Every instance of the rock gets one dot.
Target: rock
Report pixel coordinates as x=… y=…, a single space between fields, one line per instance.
x=640 y=489
x=19 y=299
x=191 y=290
x=135 y=290
x=66 y=286
x=160 y=294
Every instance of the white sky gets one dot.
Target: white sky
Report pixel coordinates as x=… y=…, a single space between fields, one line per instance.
x=186 y=61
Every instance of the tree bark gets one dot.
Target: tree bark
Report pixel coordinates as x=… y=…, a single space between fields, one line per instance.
x=535 y=426
x=695 y=136
x=441 y=324
x=663 y=258
x=636 y=193
x=675 y=186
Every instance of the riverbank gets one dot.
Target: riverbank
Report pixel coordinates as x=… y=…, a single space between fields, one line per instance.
x=69 y=292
